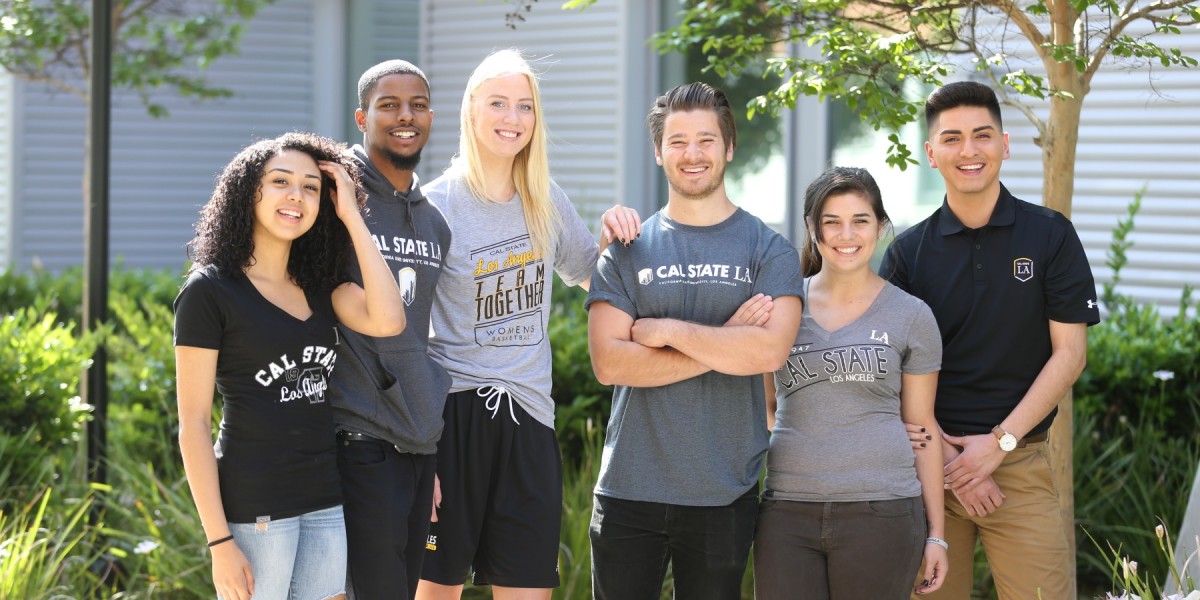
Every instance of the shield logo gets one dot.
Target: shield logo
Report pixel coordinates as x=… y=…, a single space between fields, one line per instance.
x=645 y=276
x=1023 y=269
x=408 y=284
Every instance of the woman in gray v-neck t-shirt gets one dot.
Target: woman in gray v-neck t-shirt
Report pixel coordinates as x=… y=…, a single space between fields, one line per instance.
x=848 y=507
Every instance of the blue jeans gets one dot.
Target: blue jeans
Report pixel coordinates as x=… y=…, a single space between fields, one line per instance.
x=707 y=547
x=301 y=558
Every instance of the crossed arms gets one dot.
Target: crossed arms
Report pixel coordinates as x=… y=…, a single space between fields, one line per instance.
x=652 y=352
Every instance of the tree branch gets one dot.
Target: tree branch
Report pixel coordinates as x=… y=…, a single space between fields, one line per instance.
x=1025 y=24
x=1106 y=42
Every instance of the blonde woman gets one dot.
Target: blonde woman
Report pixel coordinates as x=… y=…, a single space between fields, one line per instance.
x=498 y=464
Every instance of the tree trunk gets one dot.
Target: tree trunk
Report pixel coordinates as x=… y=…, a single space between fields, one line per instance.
x=1058 y=187
x=1058 y=145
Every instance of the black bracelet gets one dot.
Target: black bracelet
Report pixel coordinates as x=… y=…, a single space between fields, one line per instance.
x=220 y=541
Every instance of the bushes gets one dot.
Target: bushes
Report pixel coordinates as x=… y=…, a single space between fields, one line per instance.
x=1137 y=425
x=581 y=401
x=43 y=362
x=41 y=332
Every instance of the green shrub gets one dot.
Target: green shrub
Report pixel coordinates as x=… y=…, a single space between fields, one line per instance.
x=27 y=469
x=143 y=424
x=58 y=293
x=45 y=549
x=579 y=397
x=39 y=389
x=1137 y=424
x=575 y=544
x=154 y=533
x=63 y=292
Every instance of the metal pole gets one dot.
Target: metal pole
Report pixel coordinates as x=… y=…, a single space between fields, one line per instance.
x=95 y=304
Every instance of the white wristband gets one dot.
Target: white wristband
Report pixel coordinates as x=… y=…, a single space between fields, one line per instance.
x=938 y=541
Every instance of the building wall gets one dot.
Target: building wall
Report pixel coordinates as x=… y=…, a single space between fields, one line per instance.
x=1140 y=127
x=163 y=170
x=296 y=70
x=379 y=30
x=6 y=167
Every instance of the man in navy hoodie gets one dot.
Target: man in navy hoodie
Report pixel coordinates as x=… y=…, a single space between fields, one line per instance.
x=387 y=393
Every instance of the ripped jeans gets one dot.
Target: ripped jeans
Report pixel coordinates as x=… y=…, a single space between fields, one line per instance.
x=300 y=558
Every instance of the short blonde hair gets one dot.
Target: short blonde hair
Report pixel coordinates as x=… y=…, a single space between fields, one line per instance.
x=531 y=167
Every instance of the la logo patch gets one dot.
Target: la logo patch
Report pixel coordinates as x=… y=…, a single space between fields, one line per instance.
x=1023 y=269
x=645 y=276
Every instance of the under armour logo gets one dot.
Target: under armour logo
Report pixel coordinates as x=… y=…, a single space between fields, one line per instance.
x=1092 y=304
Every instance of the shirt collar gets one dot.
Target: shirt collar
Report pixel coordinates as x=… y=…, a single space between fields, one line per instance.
x=1003 y=214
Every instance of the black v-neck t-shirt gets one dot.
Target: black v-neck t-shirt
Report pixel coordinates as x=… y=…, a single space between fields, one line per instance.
x=276 y=452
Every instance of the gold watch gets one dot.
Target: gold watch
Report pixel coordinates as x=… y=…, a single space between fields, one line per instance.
x=1008 y=441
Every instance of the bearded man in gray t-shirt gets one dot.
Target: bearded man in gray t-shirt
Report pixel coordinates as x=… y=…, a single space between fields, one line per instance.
x=684 y=321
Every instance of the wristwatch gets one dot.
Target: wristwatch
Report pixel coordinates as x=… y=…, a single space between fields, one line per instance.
x=1008 y=441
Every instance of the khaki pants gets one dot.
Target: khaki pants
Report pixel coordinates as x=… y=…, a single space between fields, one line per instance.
x=1023 y=539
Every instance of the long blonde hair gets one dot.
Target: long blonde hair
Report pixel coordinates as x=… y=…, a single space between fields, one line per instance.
x=531 y=167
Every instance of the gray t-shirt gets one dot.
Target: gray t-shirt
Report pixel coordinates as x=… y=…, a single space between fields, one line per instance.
x=838 y=435
x=492 y=304
x=701 y=441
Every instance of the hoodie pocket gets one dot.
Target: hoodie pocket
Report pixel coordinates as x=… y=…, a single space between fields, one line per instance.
x=411 y=405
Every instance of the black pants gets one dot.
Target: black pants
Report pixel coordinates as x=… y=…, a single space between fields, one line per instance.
x=707 y=546
x=388 y=499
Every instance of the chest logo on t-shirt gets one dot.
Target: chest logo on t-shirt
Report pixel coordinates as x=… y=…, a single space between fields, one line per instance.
x=695 y=274
x=510 y=290
x=404 y=250
x=855 y=363
x=302 y=380
x=1023 y=269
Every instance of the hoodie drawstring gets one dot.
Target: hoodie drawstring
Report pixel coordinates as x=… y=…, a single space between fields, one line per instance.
x=407 y=212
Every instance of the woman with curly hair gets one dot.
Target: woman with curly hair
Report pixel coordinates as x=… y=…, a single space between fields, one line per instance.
x=255 y=321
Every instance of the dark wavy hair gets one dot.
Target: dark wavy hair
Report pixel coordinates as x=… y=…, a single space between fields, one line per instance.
x=835 y=181
x=224 y=234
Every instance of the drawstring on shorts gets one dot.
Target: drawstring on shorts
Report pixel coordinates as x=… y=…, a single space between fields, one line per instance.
x=492 y=395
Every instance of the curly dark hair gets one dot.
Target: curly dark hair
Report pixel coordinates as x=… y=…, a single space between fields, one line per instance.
x=224 y=235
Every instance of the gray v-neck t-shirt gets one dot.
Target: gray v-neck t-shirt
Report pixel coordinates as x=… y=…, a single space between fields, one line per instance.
x=838 y=435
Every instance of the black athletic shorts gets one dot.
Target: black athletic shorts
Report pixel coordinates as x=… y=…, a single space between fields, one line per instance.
x=501 y=481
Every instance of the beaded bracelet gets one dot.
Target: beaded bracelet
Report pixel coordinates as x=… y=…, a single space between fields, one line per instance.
x=220 y=541
x=938 y=541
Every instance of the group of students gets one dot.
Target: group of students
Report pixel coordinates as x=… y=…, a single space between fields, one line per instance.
x=382 y=355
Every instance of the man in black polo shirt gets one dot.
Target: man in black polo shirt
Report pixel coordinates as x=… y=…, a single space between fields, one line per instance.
x=1013 y=295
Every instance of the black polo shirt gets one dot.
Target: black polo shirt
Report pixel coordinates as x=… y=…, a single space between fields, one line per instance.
x=993 y=291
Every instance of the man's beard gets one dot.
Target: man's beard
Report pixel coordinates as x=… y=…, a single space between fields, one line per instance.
x=707 y=188
x=402 y=162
